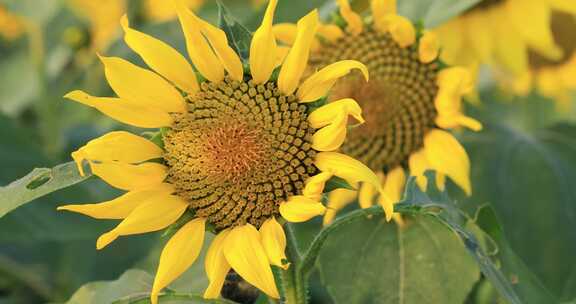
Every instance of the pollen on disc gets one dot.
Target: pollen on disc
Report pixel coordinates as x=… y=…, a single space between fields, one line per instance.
x=239 y=151
x=397 y=102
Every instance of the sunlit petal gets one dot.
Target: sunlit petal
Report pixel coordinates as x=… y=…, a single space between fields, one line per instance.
x=244 y=252
x=141 y=86
x=299 y=208
x=124 y=111
x=148 y=217
x=122 y=206
x=263 y=47
x=274 y=242
x=297 y=59
x=161 y=57
x=200 y=52
x=446 y=155
x=130 y=177
x=318 y=85
x=178 y=255
x=216 y=265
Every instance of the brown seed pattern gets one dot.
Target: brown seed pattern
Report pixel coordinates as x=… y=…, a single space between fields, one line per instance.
x=239 y=151
x=397 y=102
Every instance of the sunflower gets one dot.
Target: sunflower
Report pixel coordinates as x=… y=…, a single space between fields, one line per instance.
x=103 y=18
x=11 y=26
x=409 y=102
x=519 y=37
x=555 y=79
x=162 y=10
x=242 y=150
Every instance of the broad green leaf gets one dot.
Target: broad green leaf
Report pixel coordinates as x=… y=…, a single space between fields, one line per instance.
x=530 y=288
x=528 y=177
x=19 y=84
x=133 y=281
x=238 y=36
x=39 y=182
x=372 y=261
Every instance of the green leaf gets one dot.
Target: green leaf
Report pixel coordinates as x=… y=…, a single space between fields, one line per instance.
x=39 y=182
x=372 y=261
x=336 y=182
x=238 y=36
x=439 y=204
x=528 y=175
x=133 y=281
x=19 y=90
x=531 y=288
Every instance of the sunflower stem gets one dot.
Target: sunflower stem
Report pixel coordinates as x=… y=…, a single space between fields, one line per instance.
x=294 y=285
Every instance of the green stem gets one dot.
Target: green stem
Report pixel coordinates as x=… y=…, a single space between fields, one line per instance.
x=173 y=296
x=294 y=286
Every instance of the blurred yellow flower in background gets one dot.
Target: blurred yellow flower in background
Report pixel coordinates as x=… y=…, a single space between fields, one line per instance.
x=529 y=41
x=162 y=10
x=409 y=101
x=11 y=26
x=102 y=17
x=239 y=149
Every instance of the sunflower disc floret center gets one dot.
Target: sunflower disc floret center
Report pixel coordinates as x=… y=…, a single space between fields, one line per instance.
x=397 y=102
x=239 y=151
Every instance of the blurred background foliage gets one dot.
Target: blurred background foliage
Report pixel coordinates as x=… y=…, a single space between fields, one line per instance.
x=523 y=173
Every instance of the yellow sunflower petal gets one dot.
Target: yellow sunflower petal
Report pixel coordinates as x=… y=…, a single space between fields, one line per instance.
x=318 y=85
x=263 y=47
x=338 y=199
x=124 y=111
x=447 y=156
x=440 y=181
x=228 y=57
x=216 y=266
x=354 y=21
x=161 y=57
x=179 y=253
x=130 y=177
x=366 y=195
x=330 y=32
x=453 y=83
x=381 y=9
x=392 y=192
x=480 y=28
x=568 y=6
x=428 y=47
x=401 y=30
x=119 y=146
x=274 y=242
x=418 y=165
x=346 y=167
x=299 y=208
x=122 y=206
x=199 y=51
x=510 y=48
x=150 y=216
x=331 y=137
x=329 y=113
x=297 y=59
x=141 y=86
x=533 y=23
x=285 y=32
x=244 y=252
x=315 y=185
